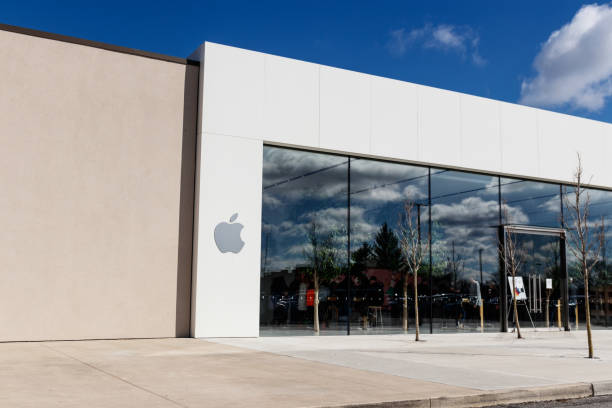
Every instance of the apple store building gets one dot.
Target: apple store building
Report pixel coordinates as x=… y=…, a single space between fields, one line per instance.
x=241 y=194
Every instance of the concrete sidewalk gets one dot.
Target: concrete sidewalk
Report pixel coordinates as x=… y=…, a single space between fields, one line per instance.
x=446 y=370
x=487 y=361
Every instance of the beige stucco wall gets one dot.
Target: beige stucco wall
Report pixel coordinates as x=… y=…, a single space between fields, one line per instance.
x=96 y=192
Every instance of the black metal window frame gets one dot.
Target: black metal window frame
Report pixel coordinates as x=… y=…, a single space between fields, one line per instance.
x=503 y=231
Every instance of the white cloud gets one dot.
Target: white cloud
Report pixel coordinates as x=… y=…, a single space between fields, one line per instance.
x=462 y=40
x=474 y=211
x=270 y=200
x=445 y=36
x=468 y=225
x=400 y=40
x=574 y=66
x=391 y=193
x=292 y=175
x=552 y=205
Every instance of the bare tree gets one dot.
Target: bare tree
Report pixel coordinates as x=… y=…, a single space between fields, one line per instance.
x=455 y=263
x=413 y=249
x=586 y=239
x=513 y=256
x=322 y=255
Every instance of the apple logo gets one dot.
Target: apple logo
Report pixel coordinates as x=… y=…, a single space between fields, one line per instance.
x=227 y=236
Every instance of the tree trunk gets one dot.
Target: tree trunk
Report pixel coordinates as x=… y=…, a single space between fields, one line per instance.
x=405 y=304
x=547 y=309
x=605 y=306
x=316 y=303
x=416 y=305
x=587 y=309
x=516 y=319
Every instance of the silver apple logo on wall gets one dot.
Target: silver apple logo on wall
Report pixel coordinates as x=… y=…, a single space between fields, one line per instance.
x=227 y=235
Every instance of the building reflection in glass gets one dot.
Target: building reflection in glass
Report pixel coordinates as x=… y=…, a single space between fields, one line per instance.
x=362 y=289
x=301 y=188
x=465 y=274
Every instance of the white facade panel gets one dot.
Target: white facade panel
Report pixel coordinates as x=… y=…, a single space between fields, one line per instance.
x=226 y=285
x=394 y=119
x=345 y=111
x=604 y=177
x=233 y=91
x=291 y=102
x=280 y=100
x=250 y=98
x=595 y=159
x=480 y=134
x=559 y=144
x=520 y=144
x=439 y=126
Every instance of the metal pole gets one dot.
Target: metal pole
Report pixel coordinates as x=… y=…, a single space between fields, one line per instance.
x=499 y=199
x=561 y=205
x=349 y=298
x=481 y=292
x=480 y=261
x=454 y=269
x=564 y=286
x=503 y=297
x=416 y=282
x=503 y=317
x=430 y=254
x=605 y=272
x=265 y=263
x=418 y=205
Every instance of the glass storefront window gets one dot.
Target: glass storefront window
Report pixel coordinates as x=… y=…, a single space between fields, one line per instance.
x=316 y=206
x=531 y=203
x=302 y=190
x=600 y=282
x=465 y=274
x=536 y=204
x=379 y=192
x=538 y=262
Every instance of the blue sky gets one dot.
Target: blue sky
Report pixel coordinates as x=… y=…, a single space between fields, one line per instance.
x=503 y=50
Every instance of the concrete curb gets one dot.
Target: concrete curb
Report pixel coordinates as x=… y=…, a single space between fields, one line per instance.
x=513 y=396
x=519 y=395
x=602 y=388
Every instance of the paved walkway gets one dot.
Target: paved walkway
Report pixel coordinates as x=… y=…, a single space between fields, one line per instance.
x=488 y=361
x=291 y=372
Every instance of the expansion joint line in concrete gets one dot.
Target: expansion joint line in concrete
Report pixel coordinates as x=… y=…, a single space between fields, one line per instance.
x=93 y=367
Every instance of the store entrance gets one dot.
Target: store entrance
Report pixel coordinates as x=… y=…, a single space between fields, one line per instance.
x=541 y=277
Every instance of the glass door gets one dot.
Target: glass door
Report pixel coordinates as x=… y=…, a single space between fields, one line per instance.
x=541 y=277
